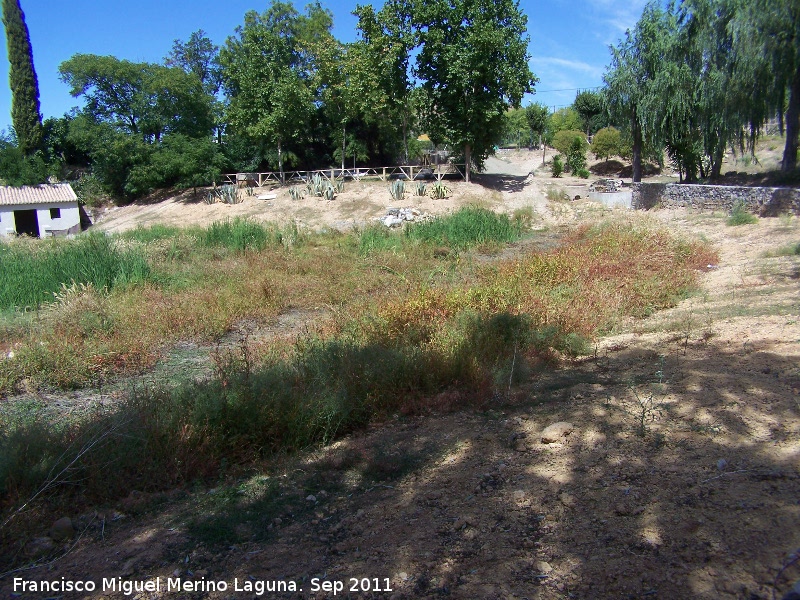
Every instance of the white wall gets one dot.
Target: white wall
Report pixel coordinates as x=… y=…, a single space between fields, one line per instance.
x=70 y=217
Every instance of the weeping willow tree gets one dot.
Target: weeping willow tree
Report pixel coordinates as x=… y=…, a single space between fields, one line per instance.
x=766 y=42
x=630 y=83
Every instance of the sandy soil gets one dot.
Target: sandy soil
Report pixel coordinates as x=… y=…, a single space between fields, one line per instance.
x=514 y=181
x=680 y=477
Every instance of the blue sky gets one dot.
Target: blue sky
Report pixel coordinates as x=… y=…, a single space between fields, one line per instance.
x=568 y=48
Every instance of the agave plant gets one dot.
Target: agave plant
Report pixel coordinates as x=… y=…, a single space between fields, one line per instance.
x=317 y=185
x=339 y=186
x=397 y=189
x=297 y=193
x=228 y=195
x=329 y=193
x=439 y=191
x=420 y=189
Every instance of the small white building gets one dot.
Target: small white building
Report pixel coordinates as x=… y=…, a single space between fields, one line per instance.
x=45 y=210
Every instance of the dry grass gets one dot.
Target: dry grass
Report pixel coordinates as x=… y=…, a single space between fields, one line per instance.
x=409 y=328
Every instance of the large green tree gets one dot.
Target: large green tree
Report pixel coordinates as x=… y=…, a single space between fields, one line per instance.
x=266 y=74
x=386 y=40
x=589 y=105
x=473 y=64
x=143 y=99
x=766 y=42
x=537 y=122
x=200 y=56
x=25 y=110
x=629 y=82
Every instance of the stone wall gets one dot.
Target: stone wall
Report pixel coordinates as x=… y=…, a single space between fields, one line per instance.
x=766 y=202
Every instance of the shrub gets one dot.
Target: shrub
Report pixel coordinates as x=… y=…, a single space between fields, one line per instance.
x=558 y=166
x=576 y=159
x=606 y=143
x=583 y=173
x=740 y=215
x=563 y=141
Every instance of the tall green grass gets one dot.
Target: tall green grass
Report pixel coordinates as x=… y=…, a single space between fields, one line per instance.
x=152 y=233
x=241 y=235
x=467 y=227
x=32 y=270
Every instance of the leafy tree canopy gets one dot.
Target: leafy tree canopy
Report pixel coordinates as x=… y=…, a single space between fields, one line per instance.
x=606 y=143
x=268 y=72
x=589 y=106
x=473 y=64
x=144 y=99
x=564 y=119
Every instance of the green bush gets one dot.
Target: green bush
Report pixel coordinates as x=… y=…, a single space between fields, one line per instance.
x=576 y=158
x=558 y=166
x=563 y=140
x=740 y=215
x=583 y=173
x=607 y=143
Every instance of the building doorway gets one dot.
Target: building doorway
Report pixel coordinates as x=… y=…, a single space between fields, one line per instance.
x=26 y=222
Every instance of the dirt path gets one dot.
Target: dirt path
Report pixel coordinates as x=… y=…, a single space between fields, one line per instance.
x=680 y=477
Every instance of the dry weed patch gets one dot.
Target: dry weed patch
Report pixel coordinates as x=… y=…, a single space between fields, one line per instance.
x=409 y=328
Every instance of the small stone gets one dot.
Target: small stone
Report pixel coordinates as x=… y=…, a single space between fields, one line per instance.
x=520 y=445
x=62 y=530
x=567 y=500
x=519 y=495
x=556 y=431
x=543 y=567
x=311 y=498
x=721 y=464
x=403 y=576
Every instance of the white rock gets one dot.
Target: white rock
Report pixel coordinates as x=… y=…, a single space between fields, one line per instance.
x=556 y=431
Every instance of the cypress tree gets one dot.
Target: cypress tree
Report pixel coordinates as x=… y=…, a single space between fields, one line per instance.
x=25 y=112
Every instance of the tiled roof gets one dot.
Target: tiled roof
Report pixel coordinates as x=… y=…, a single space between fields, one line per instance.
x=47 y=193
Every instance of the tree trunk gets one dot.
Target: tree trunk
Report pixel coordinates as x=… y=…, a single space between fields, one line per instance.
x=344 y=137
x=716 y=161
x=544 y=148
x=280 y=162
x=468 y=159
x=405 y=137
x=792 y=125
x=636 y=132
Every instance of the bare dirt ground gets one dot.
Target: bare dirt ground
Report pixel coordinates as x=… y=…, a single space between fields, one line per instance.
x=680 y=477
x=516 y=181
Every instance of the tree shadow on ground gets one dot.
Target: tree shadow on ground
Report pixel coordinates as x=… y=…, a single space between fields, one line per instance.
x=501 y=183
x=698 y=499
